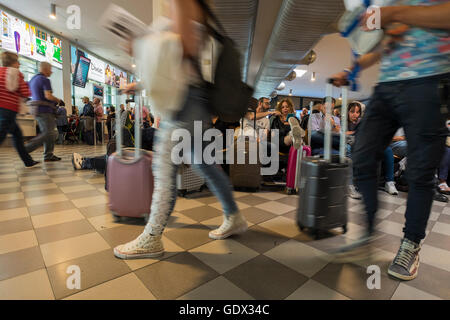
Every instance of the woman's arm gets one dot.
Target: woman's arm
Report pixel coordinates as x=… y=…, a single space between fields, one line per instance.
x=183 y=13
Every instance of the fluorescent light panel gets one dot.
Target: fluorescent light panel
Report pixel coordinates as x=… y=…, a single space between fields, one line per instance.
x=300 y=73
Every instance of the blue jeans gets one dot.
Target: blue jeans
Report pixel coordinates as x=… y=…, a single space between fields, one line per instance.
x=444 y=166
x=388 y=164
x=399 y=148
x=47 y=137
x=414 y=105
x=165 y=171
x=8 y=124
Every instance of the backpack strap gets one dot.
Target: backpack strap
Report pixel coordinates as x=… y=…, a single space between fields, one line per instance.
x=220 y=36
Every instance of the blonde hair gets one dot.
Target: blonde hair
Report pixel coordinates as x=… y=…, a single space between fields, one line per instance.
x=290 y=105
x=9 y=58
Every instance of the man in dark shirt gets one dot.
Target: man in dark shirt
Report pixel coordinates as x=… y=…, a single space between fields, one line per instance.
x=88 y=109
x=45 y=103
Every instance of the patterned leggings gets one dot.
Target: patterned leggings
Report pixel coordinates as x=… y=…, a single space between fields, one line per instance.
x=165 y=171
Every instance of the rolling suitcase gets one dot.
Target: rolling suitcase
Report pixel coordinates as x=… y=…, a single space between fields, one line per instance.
x=324 y=180
x=246 y=175
x=130 y=178
x=293 y=170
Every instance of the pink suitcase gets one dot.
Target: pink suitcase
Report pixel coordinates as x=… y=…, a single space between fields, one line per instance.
x=292 y=168
x=130 y=178
x=130 y=184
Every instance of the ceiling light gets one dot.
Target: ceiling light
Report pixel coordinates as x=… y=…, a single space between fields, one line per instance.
x=53 y=11
x=290 y=93
x=313 y=77
x=340 y=97
x=133 y=66
x=300 y=73
x=281 y=86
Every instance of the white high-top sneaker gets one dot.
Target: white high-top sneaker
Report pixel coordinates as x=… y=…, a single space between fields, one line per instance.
x=390 y=188
x=143 y=247
x=77 y=161
x=232 y=224
x=353 y=193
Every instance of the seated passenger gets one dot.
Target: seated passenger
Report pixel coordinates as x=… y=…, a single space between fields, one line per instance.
x=399 y=145
x=262 y=121
x=317 y=119
x=290 y=132
x=355 y=110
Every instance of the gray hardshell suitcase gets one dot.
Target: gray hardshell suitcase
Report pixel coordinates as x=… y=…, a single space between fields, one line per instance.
x=188 y=180
x=324 y=180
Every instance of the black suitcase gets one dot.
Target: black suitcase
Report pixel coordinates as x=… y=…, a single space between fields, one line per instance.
x=246 y=176
x=324 y=180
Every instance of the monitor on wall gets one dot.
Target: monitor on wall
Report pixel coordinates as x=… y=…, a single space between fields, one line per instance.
x=80 y=75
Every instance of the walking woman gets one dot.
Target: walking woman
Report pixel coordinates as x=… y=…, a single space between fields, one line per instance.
x=13 y=89
x=189 y=22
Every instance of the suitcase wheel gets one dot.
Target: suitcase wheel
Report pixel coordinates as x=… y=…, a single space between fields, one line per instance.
x=290 y=191
x=117 y=218
x=344 y=228
x=317 y=234
x=182 y=193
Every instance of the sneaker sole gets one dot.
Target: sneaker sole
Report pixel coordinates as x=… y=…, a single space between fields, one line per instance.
x=73 y=163
x=237 y=232
x=399 y=276
x=138 y=255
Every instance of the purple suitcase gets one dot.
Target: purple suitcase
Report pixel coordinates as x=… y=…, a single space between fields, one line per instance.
x=130 y=184
x=130 y=178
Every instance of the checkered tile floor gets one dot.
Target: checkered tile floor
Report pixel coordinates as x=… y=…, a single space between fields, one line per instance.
x=52 y=217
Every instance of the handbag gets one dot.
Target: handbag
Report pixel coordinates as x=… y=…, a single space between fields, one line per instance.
x=229 y=95
x=159 y=57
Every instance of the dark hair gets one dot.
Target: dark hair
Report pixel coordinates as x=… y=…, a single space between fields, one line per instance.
x=253 y=103
x=354 y=105
x=9 y=58
x=324 y=100
x=261 y=100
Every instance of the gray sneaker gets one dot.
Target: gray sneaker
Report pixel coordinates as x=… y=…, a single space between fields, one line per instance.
x=358 y=250
x=406 y=263
x=353 y=193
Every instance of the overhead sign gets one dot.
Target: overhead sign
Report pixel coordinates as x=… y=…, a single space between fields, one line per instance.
x=29 y=41
x=101 y=71
x=97 y=72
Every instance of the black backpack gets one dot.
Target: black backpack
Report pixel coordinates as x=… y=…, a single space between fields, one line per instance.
x=229 y=95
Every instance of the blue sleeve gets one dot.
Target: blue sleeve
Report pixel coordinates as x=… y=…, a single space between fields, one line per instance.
x=46 y=85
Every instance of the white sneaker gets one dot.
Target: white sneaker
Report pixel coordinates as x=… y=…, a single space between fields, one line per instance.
x=297 y=133
x=232 y=224
x=143 y=247
x=77 y=161
x=353 y=193
x=390 y=188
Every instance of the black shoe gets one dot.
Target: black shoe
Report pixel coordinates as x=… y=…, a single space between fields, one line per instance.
x=54 y=158
x=32 y=164
x=439 y=197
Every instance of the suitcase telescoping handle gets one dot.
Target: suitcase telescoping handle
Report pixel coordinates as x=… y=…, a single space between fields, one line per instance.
x=137 y=129
x=254 y=122
x=328 y=141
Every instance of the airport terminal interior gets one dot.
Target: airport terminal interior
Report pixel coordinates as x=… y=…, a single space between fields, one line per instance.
x=55 y=220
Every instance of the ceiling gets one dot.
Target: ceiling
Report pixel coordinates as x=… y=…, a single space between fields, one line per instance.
x=333 y=55
x=333 y=52
x=91 y=36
